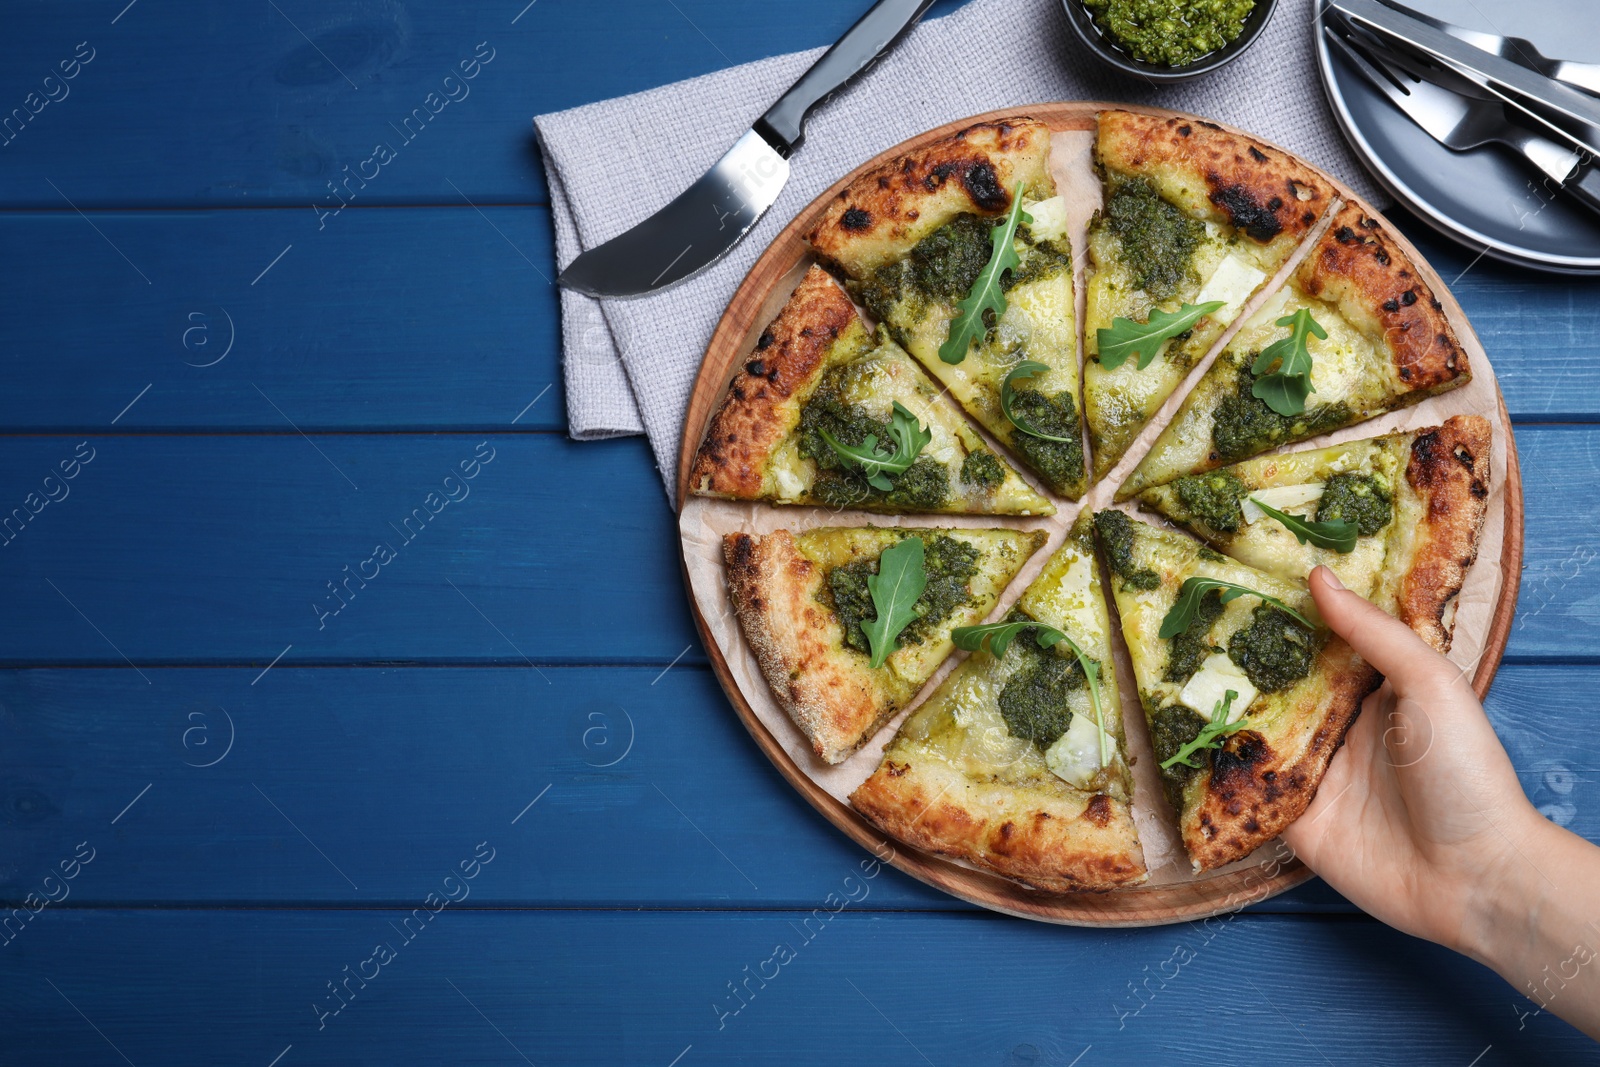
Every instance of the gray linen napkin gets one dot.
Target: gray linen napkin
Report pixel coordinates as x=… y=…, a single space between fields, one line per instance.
x=630 y=364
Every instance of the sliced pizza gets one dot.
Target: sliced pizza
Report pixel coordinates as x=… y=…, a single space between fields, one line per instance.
x=1355 y=333
x=824 y=412
x=1246 y=694
x=1016 y=762
x=848 y=623
x=979 y=293
x=1397 y=517
x=1195 y=220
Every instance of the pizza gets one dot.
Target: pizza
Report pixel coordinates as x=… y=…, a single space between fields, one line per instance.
x=1416 y=500
x=914 y=234
x=807 y=604
x=1387 y=345
x=817 y=373
x=1016 y=763
x=1192 y=214
x=1257 y=673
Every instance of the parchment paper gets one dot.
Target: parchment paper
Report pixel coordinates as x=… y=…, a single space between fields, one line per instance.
x=704 y=522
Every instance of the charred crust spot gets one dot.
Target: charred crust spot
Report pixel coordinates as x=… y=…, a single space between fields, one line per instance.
x=1211 y=126
x=1345 y=235
x=898 y=769
x=1368 y=223
x=983 y=185
x=1405 y=374
x=1391 y=305
x=1257 y=155
x=883 y=181
x=1383 y=258
x=1309 y=217
x=741 y=553
x=1099 y=809
x=1435 y=302
x=756 y=368
x=1274 y=204
x=1478 y=490
x=765 y=341
x=1233 y=767
x=1408 y=297
x=1465 y=457
x=1242 y=209
x=1445 y=340
x=856 y=219
x=1184 y=130
x=1007 y=828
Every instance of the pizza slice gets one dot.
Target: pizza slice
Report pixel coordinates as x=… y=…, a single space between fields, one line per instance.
x=979 y=293
x=1355 y=333
x=1246 y=694
x=1016 y=763
x=1195 y=221
x=1397 y=517
x=847 y=623
x=824 y=412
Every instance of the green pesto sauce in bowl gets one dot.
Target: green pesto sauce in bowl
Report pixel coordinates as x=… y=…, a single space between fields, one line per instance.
x=1170 y=33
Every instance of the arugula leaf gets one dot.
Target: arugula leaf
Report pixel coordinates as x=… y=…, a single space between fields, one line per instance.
x=1285 y=389
x=1338 y=534
x=910 y=438
x=1141 y=340
x=1183 y=612
x=1028 y=368
x=1211 y=734
x=986 y=294
x=999 y=636
x=900 y=581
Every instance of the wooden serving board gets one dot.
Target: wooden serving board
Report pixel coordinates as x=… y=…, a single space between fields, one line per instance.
x=1180 y=897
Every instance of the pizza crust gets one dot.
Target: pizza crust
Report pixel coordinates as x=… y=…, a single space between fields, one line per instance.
x=1357 y=267
x=763 y=404
x=835 y=700
x=1449 y=470
x=1255 y=790
x=884 y=213
x=1060 y=842
x=1216 y=174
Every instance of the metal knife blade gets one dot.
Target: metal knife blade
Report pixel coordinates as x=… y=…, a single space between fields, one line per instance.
x=706 y=220
x=1534 y=91
x=695 y=230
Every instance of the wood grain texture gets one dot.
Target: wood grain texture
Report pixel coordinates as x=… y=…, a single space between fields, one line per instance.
x=624 y=988
x=764 y=289
x=427 y=319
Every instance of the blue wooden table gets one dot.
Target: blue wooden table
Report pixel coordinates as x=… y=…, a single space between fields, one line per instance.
x=264 y=800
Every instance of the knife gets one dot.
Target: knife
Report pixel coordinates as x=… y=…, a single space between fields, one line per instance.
x=1527 y=89
x=712 y=215
x=1462 y=121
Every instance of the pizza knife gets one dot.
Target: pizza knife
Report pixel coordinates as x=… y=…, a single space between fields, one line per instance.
x=712 y=215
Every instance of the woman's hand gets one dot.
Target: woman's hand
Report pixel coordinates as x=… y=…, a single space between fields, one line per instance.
x=1421 y=823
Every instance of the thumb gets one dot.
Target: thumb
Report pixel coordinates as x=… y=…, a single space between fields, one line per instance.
x=1406 y=660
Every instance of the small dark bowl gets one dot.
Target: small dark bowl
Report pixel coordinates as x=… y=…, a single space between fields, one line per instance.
x=1115 y=56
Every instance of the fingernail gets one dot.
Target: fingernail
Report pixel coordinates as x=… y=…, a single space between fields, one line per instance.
x=1330 y=578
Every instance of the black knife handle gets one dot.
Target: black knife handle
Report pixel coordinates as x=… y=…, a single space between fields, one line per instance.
x=783 y=126
x=1585 y=187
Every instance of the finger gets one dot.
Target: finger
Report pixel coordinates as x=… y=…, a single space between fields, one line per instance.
x=1391 y=646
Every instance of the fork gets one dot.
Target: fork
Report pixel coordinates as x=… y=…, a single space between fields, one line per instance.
x=1461 y=123
x=1585 y=76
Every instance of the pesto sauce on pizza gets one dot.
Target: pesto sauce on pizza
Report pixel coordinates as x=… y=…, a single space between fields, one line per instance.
x=1116 y=534
x=1171 y=727
x=1275 y=650
x=982 y=469
x=1158 y=239
x=949 y=565
x=1364 y=499
x=1213 y=499
x=1187 y=649
x=1244 y=425
x=1033 y=701
x=924 y=485
x=1061 y=462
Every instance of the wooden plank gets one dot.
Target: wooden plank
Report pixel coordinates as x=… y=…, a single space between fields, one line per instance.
x=179 y=549
x=558 y=544
x=804 y=986
x=385 y=319
x=295 y=94
x=213 y=780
